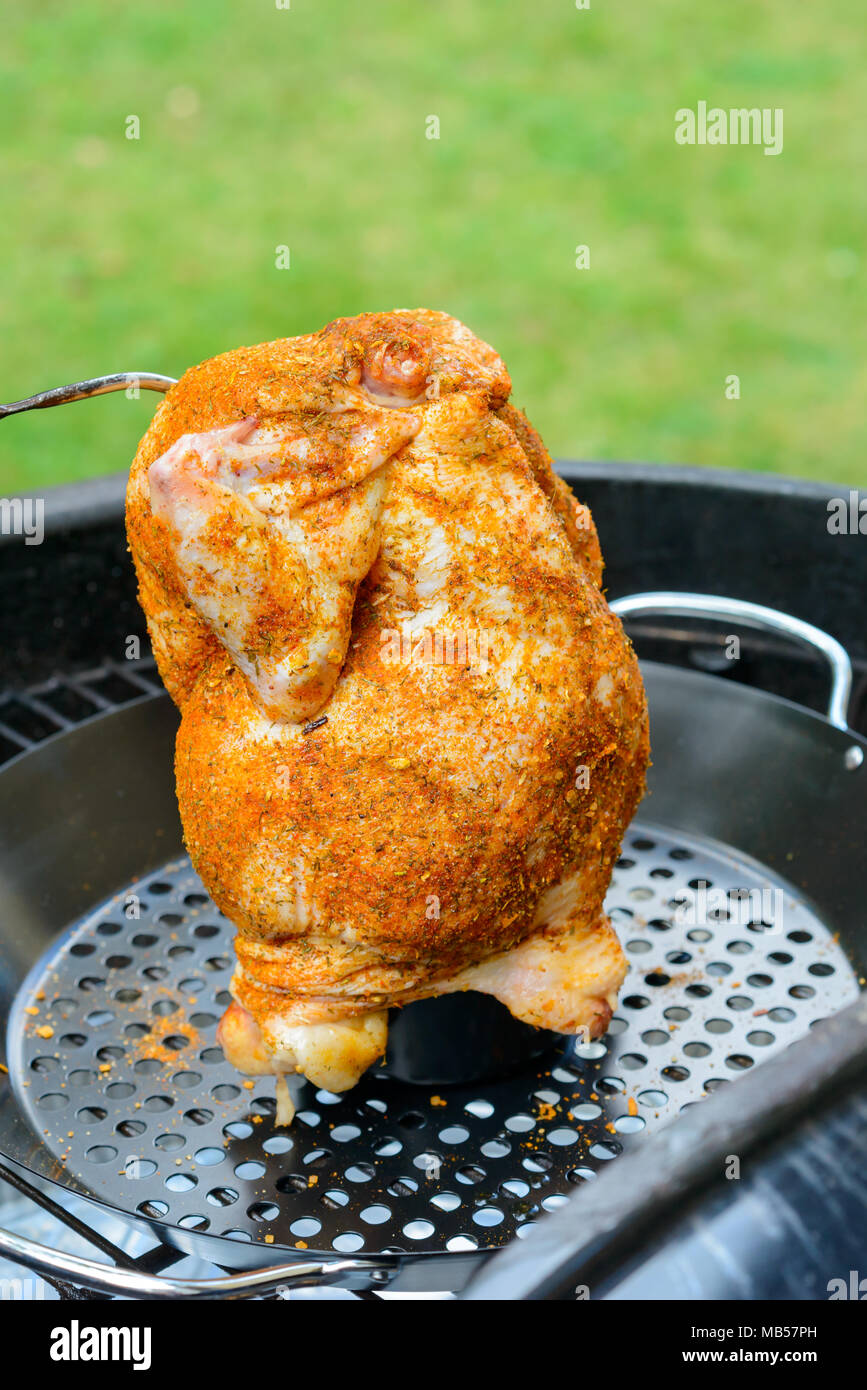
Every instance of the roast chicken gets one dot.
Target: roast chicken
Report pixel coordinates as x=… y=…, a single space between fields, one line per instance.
x=412 y=733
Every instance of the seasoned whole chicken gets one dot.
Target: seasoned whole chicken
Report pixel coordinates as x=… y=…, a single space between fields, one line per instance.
x=412 y=731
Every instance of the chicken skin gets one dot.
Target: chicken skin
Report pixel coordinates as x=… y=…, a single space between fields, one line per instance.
x=413 y=733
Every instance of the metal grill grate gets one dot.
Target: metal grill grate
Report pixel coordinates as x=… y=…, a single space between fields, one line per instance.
x=118 y=1070
x=27 y=717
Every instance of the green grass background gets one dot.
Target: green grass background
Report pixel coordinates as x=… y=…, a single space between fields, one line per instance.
x=306 y=127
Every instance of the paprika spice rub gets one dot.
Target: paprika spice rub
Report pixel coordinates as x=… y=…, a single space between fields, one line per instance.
x=384 y=830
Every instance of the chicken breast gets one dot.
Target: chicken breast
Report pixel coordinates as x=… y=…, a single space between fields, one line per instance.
x=412 y=732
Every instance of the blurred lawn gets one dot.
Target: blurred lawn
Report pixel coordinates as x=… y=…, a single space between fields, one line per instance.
x=306 y=127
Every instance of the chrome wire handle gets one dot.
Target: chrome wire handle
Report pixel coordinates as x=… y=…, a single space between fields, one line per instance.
x=134 y=1283
x=754 y=615
x=94 y=386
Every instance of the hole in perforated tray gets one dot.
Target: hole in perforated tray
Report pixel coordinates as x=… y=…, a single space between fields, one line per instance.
x=390 y=1166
